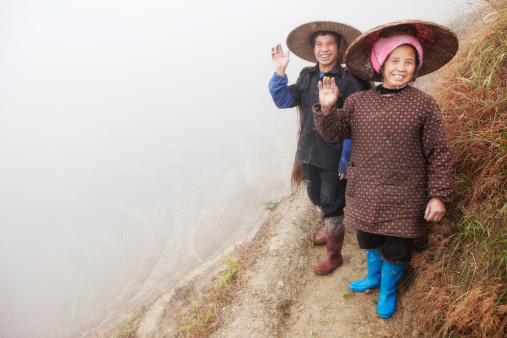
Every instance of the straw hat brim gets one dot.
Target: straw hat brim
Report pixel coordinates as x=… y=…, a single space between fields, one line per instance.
x=299 y=40
x=436 y=53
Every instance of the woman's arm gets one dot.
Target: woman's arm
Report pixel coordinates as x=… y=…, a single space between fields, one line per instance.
x=438 y=163
x=331 y=122
x=438 y=155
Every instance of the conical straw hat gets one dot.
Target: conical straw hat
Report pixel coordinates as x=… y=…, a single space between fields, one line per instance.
x=439 y=43
x=299 y=40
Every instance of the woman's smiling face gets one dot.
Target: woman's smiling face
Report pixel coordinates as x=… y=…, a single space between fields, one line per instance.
x=399 y=67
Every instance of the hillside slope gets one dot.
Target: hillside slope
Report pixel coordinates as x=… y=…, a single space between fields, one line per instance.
x=279 y=293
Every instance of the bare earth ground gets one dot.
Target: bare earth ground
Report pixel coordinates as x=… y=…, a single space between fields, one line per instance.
x=280 y=294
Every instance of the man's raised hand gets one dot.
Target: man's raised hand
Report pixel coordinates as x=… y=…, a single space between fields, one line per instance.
x=279 y=60
x=328 y=94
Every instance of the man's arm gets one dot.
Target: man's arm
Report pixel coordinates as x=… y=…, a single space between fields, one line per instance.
x=284 y=96
x=344 y=159
x=280 y=92
x=280 y=61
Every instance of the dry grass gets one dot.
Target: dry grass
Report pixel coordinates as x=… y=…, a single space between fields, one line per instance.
x=462 y=274
x=128 y=326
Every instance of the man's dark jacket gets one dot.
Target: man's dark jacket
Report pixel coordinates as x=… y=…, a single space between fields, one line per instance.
x=313 y=148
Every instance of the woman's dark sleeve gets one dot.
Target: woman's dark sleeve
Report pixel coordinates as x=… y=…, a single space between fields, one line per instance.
x=335 y=126
x=438 y=154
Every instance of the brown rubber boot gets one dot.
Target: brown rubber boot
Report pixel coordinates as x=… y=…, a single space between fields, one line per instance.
x=319 y=239
x=335 y=235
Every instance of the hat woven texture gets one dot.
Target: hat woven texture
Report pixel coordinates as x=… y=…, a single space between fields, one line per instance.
x=439 y=43
x=299 y=40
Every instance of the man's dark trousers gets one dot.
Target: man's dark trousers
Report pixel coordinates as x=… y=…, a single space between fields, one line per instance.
x=325 y=189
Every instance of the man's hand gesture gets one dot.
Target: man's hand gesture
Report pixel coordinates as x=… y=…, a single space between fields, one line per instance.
x=328 y=94
x=279 y=60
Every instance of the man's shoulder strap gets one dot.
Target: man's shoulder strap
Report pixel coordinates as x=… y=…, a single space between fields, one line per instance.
x=304 y=70
x=346 y=71
x=366 y=84
x=303 y=75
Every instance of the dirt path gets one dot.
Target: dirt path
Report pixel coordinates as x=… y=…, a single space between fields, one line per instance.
x=327 y=307
x=281 y=296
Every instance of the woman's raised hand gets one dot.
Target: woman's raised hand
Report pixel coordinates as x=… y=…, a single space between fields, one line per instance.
x=328 y=94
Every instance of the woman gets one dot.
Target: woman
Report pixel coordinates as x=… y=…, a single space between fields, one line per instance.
x=399 y=174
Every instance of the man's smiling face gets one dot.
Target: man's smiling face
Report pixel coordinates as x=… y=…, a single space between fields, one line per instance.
x=326 y=51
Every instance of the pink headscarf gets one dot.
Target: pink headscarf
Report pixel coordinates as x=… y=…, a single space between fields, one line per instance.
x=384 y=46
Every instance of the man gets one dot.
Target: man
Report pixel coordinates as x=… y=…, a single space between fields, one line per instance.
x=325 y=43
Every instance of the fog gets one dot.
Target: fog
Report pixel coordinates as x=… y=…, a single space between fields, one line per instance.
x=137 y=139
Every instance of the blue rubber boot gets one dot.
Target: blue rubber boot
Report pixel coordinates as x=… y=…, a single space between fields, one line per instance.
x=372 y=280
x=389 y=281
